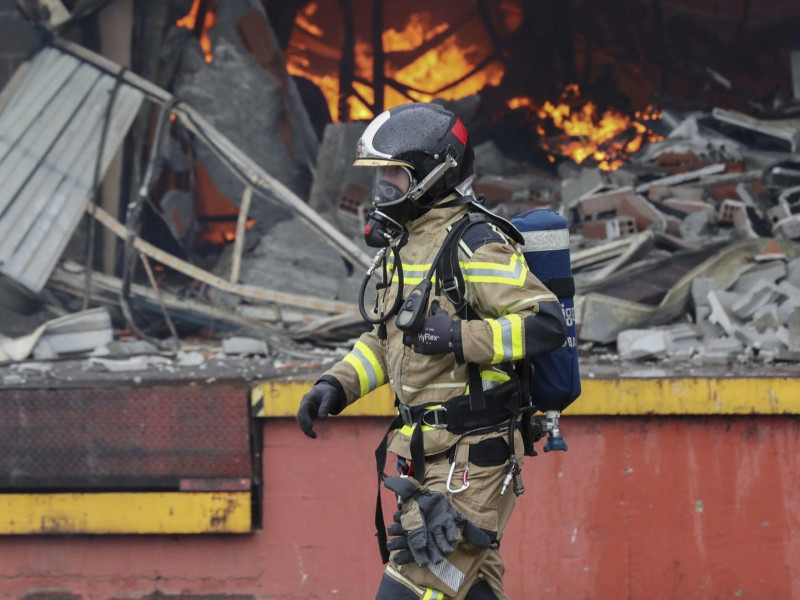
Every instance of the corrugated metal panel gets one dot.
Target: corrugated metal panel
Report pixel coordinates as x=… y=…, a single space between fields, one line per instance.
x=49 y=141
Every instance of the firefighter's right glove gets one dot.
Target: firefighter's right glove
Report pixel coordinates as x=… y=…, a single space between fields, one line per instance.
x=436 y=335
x=430 y=523
x=320 y=401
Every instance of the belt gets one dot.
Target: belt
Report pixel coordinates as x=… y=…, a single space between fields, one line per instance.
x=456 y=414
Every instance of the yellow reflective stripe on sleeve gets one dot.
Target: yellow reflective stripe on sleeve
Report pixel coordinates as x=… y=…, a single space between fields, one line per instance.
x=432 y=594
x=506 y=338
x=368 y=367
x=511 y=274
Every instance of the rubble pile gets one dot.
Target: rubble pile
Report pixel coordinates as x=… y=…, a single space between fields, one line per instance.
x=688 y=251
x=698 y=231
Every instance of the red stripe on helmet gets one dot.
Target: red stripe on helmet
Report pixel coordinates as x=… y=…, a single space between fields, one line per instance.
x=460 y=132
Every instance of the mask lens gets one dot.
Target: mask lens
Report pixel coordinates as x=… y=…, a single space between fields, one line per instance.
x=391 y=183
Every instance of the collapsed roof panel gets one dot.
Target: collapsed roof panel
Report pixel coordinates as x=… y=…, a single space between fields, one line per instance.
x=63 y=115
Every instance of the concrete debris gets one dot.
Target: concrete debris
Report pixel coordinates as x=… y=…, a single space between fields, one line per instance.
x=690 y=251
x=71 y=334
x=244 y=346
x=134 y=363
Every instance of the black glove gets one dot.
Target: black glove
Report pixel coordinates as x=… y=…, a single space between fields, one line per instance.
x=400 y=542
x=430 y=524
x=436 y=335
x=318 y=403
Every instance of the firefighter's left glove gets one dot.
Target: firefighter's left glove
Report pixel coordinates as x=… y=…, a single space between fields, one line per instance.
x=430 y=524
x=437 y=335
x=320 y=401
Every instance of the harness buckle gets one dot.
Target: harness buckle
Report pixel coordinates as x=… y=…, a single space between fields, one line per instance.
x=437 y=422
x=451 y=287
x=405 y=413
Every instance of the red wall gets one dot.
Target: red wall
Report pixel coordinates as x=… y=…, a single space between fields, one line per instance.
x=639 y=508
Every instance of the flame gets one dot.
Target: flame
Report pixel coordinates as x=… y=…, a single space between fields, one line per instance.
x=209 y=21
x=440 y=66
x=607 y=139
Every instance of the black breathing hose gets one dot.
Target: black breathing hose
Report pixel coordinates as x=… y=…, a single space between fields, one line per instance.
x=397 y=301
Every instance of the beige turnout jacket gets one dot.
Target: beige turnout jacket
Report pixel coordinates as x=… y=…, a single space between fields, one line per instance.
x=499 y=287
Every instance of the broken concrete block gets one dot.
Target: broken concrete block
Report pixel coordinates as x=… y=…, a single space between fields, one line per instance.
x=750 y=336
x=701 y=286
x=762 y=294
x=766 y=318
x=609 y=229
x=772 y=271
x=589 y=182
x=790 y=302
x=788 y=228
x=189 y=359
x=645 y=215
x=684 y=341
x=777 y=213
x=733 y=212
x=678 y=194
x=635 y=344
x=793 y=272
x=720 y=351
x=694 y=226
x=719 y=315
x=690 y=206
x=793 y=327
x=622 y=201
x=245 y=346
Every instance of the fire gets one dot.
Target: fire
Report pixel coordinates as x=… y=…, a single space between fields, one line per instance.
x=437 y=68
x=209 y=21
x=606 y=138
x=429 y=76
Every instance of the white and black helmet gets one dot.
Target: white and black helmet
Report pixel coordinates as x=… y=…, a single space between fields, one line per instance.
x=417 y=137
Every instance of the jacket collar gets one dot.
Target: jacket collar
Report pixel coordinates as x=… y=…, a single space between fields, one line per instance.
x=437 y=218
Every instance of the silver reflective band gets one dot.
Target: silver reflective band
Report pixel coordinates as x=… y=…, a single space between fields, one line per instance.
x=542 y=241
x=448 y=573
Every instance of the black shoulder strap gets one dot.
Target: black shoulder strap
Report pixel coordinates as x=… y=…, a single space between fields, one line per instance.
x=450 y=279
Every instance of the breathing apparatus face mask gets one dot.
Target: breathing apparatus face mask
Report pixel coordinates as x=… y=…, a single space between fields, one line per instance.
x=393 y=209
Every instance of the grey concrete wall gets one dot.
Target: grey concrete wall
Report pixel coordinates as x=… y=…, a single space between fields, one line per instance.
x=17 y=39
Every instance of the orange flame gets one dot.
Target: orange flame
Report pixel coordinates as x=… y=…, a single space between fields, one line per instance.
x=606 y=138
x=438 y=67
x=209 y=21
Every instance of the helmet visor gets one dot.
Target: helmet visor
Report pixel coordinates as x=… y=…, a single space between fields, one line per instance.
x=391 y=184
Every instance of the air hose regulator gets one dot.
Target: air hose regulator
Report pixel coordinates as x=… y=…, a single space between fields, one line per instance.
x=381 y=231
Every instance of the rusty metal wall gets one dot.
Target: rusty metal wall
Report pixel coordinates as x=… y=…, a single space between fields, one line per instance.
x=123 y=438
x=639 y=508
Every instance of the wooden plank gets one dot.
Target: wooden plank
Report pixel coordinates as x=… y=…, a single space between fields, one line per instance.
x=245 y=291
x=241 y=223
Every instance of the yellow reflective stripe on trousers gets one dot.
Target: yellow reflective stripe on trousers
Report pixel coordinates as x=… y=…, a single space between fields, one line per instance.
x=432 y=594
x=506 y=338
x=511 y=274
x=367 y=366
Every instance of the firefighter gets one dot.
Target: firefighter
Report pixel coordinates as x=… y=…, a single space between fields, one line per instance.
x=450 y=364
